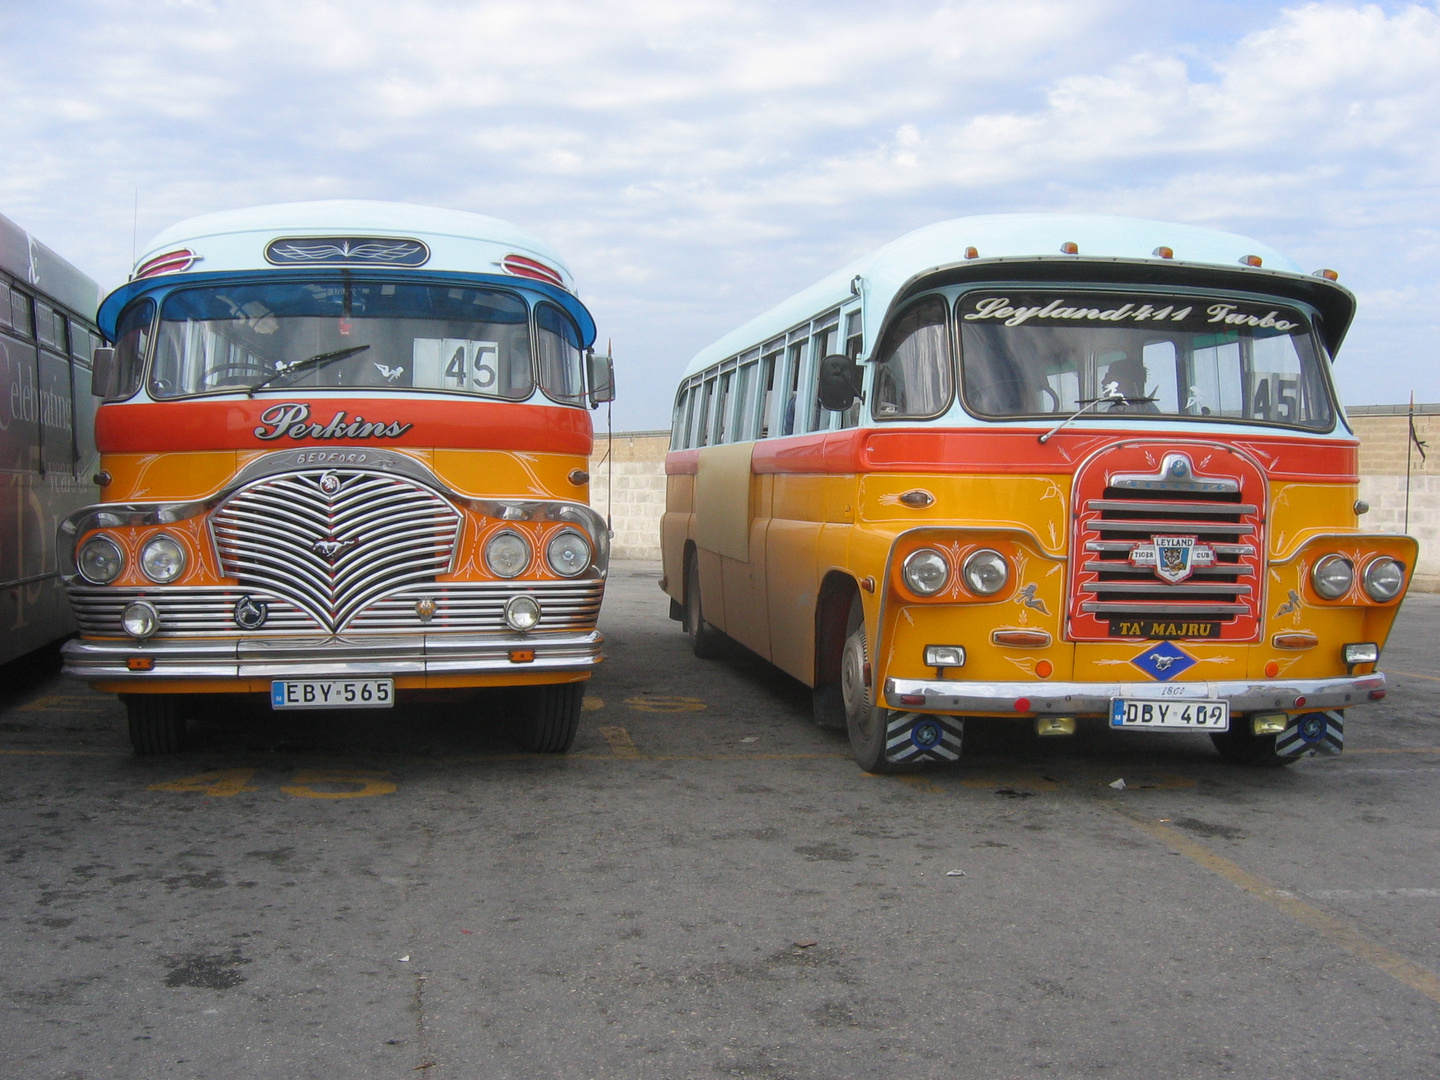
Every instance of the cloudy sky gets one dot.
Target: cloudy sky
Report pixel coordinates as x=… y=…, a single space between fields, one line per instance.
x=698 y=161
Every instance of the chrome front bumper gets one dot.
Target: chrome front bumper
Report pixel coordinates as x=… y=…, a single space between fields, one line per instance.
x=355 y=656
x=1092 y=698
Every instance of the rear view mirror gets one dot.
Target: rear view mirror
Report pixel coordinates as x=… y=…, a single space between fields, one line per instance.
x=601 y=376
x=838 y=383
x=105 y=374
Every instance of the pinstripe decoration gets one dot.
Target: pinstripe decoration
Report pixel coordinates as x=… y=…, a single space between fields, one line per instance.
x=916 y=737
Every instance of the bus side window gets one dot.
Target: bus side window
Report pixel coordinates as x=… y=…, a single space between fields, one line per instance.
x=20 y=448
x=744 y=405
x=914 y=375
x=821 y=343
x=4 y=304
x=677 y=421
x=702 y=426
x=723 y=424
x=768 y=398
x=796 y=362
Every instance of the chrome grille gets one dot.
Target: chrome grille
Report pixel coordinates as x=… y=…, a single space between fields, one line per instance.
x=333 y=541
x=462 y=607
x=1219 y=502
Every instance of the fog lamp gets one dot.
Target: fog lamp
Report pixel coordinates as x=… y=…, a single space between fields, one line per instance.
x=944 y=655
x=1272 y=723
x=1362 y=652
x=139 y=619
x=522 y=613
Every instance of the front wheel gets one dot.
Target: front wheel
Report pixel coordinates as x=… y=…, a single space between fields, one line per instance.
x=704 y=638
x=156 y=726
x=866 y=723
x=552 y=717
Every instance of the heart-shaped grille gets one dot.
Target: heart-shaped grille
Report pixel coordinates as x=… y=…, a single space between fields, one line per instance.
x=333 y=540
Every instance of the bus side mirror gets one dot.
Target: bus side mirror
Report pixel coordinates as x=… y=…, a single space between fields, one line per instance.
x=839 y=381
x=601 y=376
x=105 y=374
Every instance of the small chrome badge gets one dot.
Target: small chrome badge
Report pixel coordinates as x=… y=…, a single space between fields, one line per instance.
x=330 y=483
x=1173 y=558
x=250 y=614
x=425 y=609
x=331 y=549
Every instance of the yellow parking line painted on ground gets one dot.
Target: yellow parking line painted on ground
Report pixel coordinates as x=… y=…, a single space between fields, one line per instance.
x=592 y=703
x=1331 y=927
x=666 y=703
x=620 y=742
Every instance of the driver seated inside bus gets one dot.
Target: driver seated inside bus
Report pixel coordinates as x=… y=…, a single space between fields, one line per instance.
x=1125 y=378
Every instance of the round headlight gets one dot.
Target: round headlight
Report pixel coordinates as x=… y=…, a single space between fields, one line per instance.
x=139 y=619
x=100 y=560
x=162 y=560
x=522 y=613
x=926 y=572
x=986 y=572
x=1383 y=579
x=568 y=553
x=507 y=554
x=1332 y=577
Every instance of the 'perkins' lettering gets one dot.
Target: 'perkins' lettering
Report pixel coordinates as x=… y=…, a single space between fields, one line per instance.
x=293 y=419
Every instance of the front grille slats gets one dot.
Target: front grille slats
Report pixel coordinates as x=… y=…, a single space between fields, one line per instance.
x=1125 y=503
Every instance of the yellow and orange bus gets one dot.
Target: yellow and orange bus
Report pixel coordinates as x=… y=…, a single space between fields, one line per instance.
x=343 y=457
x=1045 y=468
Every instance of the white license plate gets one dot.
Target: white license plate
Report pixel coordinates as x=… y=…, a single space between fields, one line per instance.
x=332 y=694
x=1173 y=715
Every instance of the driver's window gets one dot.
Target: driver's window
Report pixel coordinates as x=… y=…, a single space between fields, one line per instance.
x=914 y=375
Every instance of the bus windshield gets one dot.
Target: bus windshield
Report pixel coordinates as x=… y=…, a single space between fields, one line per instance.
x=347 y=333
x=1048 y=352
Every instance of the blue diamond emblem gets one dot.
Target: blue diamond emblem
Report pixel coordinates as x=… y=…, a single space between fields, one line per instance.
x=1163 y=661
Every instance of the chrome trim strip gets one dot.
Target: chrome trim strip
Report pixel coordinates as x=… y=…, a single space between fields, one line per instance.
x=1093 y=698
x=1193 y=609
x=249 y=658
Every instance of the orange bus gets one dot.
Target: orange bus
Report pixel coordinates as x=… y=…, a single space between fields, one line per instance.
x=1041 y=468
x=343 y=457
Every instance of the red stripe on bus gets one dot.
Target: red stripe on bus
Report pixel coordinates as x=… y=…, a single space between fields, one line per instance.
x=862 y=450
x=231 y=425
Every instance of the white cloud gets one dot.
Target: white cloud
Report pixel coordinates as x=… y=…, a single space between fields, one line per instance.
x=698 y=160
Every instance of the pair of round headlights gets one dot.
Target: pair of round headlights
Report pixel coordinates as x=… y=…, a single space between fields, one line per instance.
x=507 y=553
x=927 y=571
x=1382 y=579
x=100 y=559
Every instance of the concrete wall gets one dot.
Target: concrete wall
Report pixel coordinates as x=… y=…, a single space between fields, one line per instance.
x=639 y=495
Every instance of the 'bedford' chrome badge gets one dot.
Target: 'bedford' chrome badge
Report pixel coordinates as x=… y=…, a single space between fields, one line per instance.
x=1173 y=558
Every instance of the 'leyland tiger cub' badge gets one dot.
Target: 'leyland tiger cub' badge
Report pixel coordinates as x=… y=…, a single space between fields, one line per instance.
x=1173 y=558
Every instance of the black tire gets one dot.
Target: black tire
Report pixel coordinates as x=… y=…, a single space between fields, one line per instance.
x=156 y=724
x=552 y=718
x=1241 y=746
x=705 y=640
x=827 y=707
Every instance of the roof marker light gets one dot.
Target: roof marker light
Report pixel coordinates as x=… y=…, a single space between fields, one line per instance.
x=520 y=266
x=1250 y=260
x=971 y=253
x=1328 y=275
x=1163 y=252
x=172 y=262
x=1069 y=247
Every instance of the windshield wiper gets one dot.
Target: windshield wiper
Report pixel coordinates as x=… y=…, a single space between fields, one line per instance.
x=318 y=360
x=1112 y=394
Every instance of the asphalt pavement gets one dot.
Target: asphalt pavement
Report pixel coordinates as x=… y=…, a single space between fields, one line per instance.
x=708 y=887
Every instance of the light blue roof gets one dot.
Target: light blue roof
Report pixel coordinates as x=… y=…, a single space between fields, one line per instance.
x=459 y=242
x=885 y=272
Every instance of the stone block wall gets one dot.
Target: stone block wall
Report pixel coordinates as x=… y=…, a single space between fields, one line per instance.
x=638 y=499
x=1384 y=433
